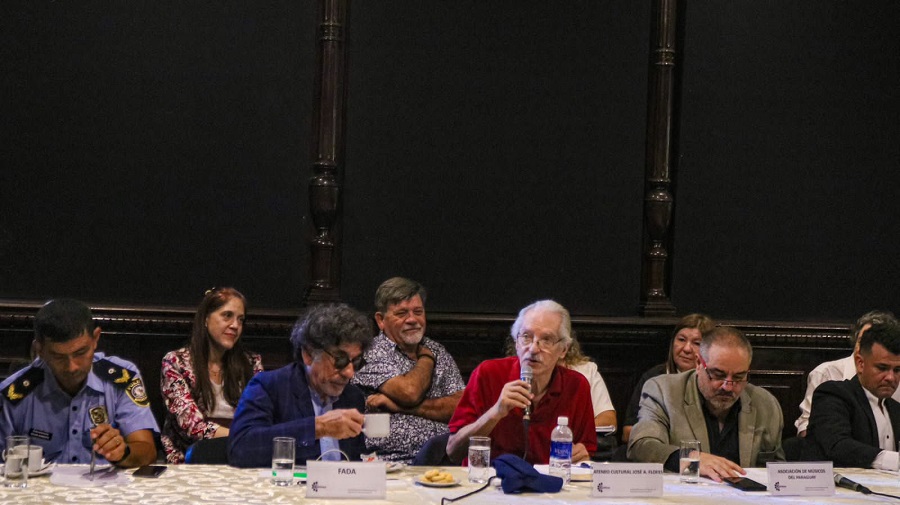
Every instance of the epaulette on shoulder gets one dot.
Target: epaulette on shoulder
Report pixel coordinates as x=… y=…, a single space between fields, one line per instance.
x=122 y=378
x=111 y=372
x=24 y=385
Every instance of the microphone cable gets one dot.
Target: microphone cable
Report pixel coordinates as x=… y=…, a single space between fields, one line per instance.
x=865 y=490
x=445 y=501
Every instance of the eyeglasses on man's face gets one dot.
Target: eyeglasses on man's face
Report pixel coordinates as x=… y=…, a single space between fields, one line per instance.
x=341 y=360
x=526 y=339
x=721 y=377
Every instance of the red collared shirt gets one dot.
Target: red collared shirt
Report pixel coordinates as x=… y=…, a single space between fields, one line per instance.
x=568 y=394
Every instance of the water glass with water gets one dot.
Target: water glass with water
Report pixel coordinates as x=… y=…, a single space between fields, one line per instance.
x=15 y=471
x=689 y=461
x=479 y=459
x=283 y=461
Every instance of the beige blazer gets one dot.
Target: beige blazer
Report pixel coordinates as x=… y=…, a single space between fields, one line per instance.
x=670 y=412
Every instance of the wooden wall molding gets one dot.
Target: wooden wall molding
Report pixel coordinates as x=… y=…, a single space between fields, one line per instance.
x=623 y=347
x=329 y=125
x=658 y=198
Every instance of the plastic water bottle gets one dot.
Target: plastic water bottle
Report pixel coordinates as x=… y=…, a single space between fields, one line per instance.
x=561 y=450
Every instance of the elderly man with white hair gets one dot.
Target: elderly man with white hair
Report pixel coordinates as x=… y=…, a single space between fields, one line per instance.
x=495 y=398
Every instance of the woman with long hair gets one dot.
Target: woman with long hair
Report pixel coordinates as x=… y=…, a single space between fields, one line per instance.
x=683 y=351
x=202 y=382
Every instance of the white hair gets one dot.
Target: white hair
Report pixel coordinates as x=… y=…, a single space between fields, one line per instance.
x=565 y=324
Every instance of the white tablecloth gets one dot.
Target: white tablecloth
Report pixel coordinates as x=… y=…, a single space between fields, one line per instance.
x=189 y=484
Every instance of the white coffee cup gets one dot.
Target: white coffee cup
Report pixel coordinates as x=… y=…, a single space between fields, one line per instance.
x=377 y=425
x=35 y=458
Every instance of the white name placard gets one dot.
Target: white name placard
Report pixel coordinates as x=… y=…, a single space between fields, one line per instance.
x=612 y=480
x=342 y=479
x=801 y=478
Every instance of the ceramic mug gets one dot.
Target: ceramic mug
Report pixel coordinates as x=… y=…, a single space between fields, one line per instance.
x=35 y=457
x=377 y=425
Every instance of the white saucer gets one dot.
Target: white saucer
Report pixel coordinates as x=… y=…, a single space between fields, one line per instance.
x=44 y=470
x=393 y=466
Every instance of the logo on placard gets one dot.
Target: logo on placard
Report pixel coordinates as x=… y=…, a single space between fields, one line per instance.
x=778 y=486
x=315 y=487
x=601 y=487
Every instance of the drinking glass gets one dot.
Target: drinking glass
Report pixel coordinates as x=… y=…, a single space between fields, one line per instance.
x=15 y=471
x=479 y=459
x=689 y=461
x=283 y=461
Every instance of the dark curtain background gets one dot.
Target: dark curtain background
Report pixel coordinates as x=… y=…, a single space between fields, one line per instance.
x=790 y=159
x=152 y=150
x=495 y=152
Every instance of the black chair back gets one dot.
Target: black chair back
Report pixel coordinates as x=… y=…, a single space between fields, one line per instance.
x=794 y=448
x=434 y=452
x=209 y=451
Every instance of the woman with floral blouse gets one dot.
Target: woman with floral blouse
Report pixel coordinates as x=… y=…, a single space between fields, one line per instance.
x=202 y=383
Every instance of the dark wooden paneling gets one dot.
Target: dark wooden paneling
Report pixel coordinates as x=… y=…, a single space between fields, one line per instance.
x=622 y=347
x=788 y=387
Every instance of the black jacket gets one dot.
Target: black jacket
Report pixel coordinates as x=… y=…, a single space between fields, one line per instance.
x=842 y=426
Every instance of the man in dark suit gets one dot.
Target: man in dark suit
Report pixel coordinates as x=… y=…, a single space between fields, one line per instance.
x=855 y=422
x=311 y=399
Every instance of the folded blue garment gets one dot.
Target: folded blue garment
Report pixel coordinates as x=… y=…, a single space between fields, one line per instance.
x=519 y=476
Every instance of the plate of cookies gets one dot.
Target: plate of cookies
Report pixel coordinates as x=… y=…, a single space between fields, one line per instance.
x=437 y=478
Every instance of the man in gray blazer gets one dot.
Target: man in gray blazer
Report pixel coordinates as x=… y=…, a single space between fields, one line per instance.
x=738 y=424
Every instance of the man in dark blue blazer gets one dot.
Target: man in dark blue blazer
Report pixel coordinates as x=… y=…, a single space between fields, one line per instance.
x=855 y=422
x=311 y=399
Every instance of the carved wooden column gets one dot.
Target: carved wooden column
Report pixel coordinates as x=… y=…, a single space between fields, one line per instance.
x=658 y=199
x=329 y=115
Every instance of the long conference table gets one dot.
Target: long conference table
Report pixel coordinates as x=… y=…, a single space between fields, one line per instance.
x=189 y=484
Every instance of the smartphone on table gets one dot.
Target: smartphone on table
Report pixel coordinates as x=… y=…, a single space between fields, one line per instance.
x=151 y=471
x=744 y=484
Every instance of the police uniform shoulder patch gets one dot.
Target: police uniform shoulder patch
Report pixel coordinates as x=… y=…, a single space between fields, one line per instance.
x=137 y=393
x=24 y=385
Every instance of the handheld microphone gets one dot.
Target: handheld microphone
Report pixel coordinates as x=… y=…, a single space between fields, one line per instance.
x=527 y=375
x=844 y=482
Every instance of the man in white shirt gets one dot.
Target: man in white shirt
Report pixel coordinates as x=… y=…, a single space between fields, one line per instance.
x=855 y=422
x=839 y=369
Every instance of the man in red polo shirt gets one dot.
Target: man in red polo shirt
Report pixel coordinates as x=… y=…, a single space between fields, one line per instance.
x=495 y=398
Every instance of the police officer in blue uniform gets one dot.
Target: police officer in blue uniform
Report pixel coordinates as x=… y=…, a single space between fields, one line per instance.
x=72 y=399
